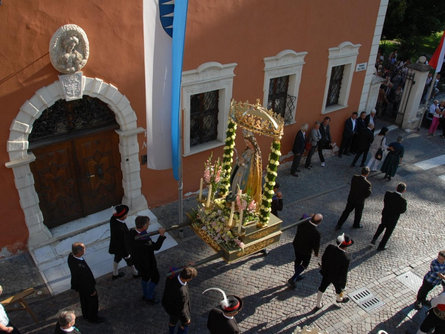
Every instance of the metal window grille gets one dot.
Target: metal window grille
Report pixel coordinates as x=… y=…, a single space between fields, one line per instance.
x=335 y=85
x=203 y=117
x=278 y=100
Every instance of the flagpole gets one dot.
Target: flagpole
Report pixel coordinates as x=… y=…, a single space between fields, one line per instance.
x=180 y=182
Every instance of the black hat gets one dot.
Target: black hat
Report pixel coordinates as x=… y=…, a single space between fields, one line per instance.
x=120 y=210
x=235 y=304
x=344 y=241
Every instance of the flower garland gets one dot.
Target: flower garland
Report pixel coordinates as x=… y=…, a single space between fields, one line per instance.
x=272 y=167
x=212 y=173
x=228 y=157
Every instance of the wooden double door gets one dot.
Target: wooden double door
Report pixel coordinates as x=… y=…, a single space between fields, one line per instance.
x=77 y=177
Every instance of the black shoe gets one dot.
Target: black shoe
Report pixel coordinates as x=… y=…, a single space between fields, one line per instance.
x=382 y=248
x=348 y=154
x=291 y=283
x=357 y=226
x=343 y=301
x=427 y=303
x=299 y=278
x=316 y=308
x=121 y=274
x=362 y=165
x=308 y=167
x=294 y=174
x=98 y=320
x=373 y=242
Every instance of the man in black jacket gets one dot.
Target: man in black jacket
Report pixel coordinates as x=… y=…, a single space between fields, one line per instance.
x=176 y=300
x=82 y=280
x=298 y=149
x=360 y=190
x=334 y=269
x=348 y=133
x=120 y=241
x=365 y=138
x=394 y=205
x=142 y=251
x=306 y=241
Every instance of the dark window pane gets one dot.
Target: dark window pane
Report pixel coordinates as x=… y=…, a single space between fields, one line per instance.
x=335 y=85
x=203 y=117
x=278 y=94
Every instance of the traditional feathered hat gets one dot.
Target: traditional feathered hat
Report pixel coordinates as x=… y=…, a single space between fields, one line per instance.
x=229 y=304
x=344 y=241
x=120 y=210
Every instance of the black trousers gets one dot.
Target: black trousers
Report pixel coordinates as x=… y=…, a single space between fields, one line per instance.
x=295 y=163
x=358 y=207
x=89 y=305
x=309 y=156
x=388 y=231
x=320 y=153
x=433 y=322
x=119 y=257
x=345 y=145
x=442 y=124
x=423 y=291
x=357 y=156
x=325 y=283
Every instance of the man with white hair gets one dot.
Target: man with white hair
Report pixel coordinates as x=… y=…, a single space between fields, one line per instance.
x=66 y=322
x=5 y=324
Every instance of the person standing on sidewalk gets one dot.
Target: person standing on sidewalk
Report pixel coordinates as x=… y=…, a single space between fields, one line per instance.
x=348 y=133
x=5 y=324
x=360 y=190
x=438 y=114
x=142 y=251
x=394 y=205
x=393 y=159
x=120 y=241
x=365 y=138
x=298 y=149
x=431 y=279
x=176 y=300
x=306 y=241
x=435 y=318
x=314 y=139
x=325 y=141
x=82 y=281
x=334 y=269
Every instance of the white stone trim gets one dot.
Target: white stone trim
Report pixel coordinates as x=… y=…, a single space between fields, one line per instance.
x=285 y=63
x=17 y=147
x=368 y=98
x=206 y=78
x=344 y=54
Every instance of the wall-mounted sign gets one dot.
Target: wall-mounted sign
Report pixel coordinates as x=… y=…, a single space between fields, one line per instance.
x=361 y=67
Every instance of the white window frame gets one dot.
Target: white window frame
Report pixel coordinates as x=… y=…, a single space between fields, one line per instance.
x=344 y=54
x=206 y=78
x=285 y=63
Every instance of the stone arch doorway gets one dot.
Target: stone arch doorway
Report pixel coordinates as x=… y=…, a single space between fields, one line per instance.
x=77 y=167
x=20 y=157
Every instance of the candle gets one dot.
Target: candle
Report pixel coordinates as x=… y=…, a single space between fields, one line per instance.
x=240 y=221
x=232 y=211
x=200 y=190
x=209 y=195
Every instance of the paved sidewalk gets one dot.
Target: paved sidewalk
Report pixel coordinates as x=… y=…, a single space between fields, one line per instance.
x=270 y=307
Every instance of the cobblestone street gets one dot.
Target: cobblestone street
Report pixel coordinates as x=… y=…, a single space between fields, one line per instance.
x=269 y=305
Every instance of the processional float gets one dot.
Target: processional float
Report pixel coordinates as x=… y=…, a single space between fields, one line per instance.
x=234 y=216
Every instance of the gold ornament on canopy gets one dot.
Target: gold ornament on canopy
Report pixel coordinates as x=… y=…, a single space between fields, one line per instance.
x=256 y=118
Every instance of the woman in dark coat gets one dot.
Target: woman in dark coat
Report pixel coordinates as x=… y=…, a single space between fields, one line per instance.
x=393 y=159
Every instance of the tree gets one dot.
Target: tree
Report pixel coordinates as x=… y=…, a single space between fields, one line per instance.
x=410 y=20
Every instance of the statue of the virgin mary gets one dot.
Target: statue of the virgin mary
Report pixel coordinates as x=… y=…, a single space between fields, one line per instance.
x=247 y=171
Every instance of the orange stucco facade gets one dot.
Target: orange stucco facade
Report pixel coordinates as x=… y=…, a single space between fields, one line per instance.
x=233 y=31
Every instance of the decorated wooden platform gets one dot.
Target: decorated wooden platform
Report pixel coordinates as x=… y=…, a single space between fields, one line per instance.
x=253 y=238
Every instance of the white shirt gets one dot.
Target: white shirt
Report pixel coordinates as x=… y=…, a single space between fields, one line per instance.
x=353 y=124
x=4 y=320
x=432 y=109
x=182 y=283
